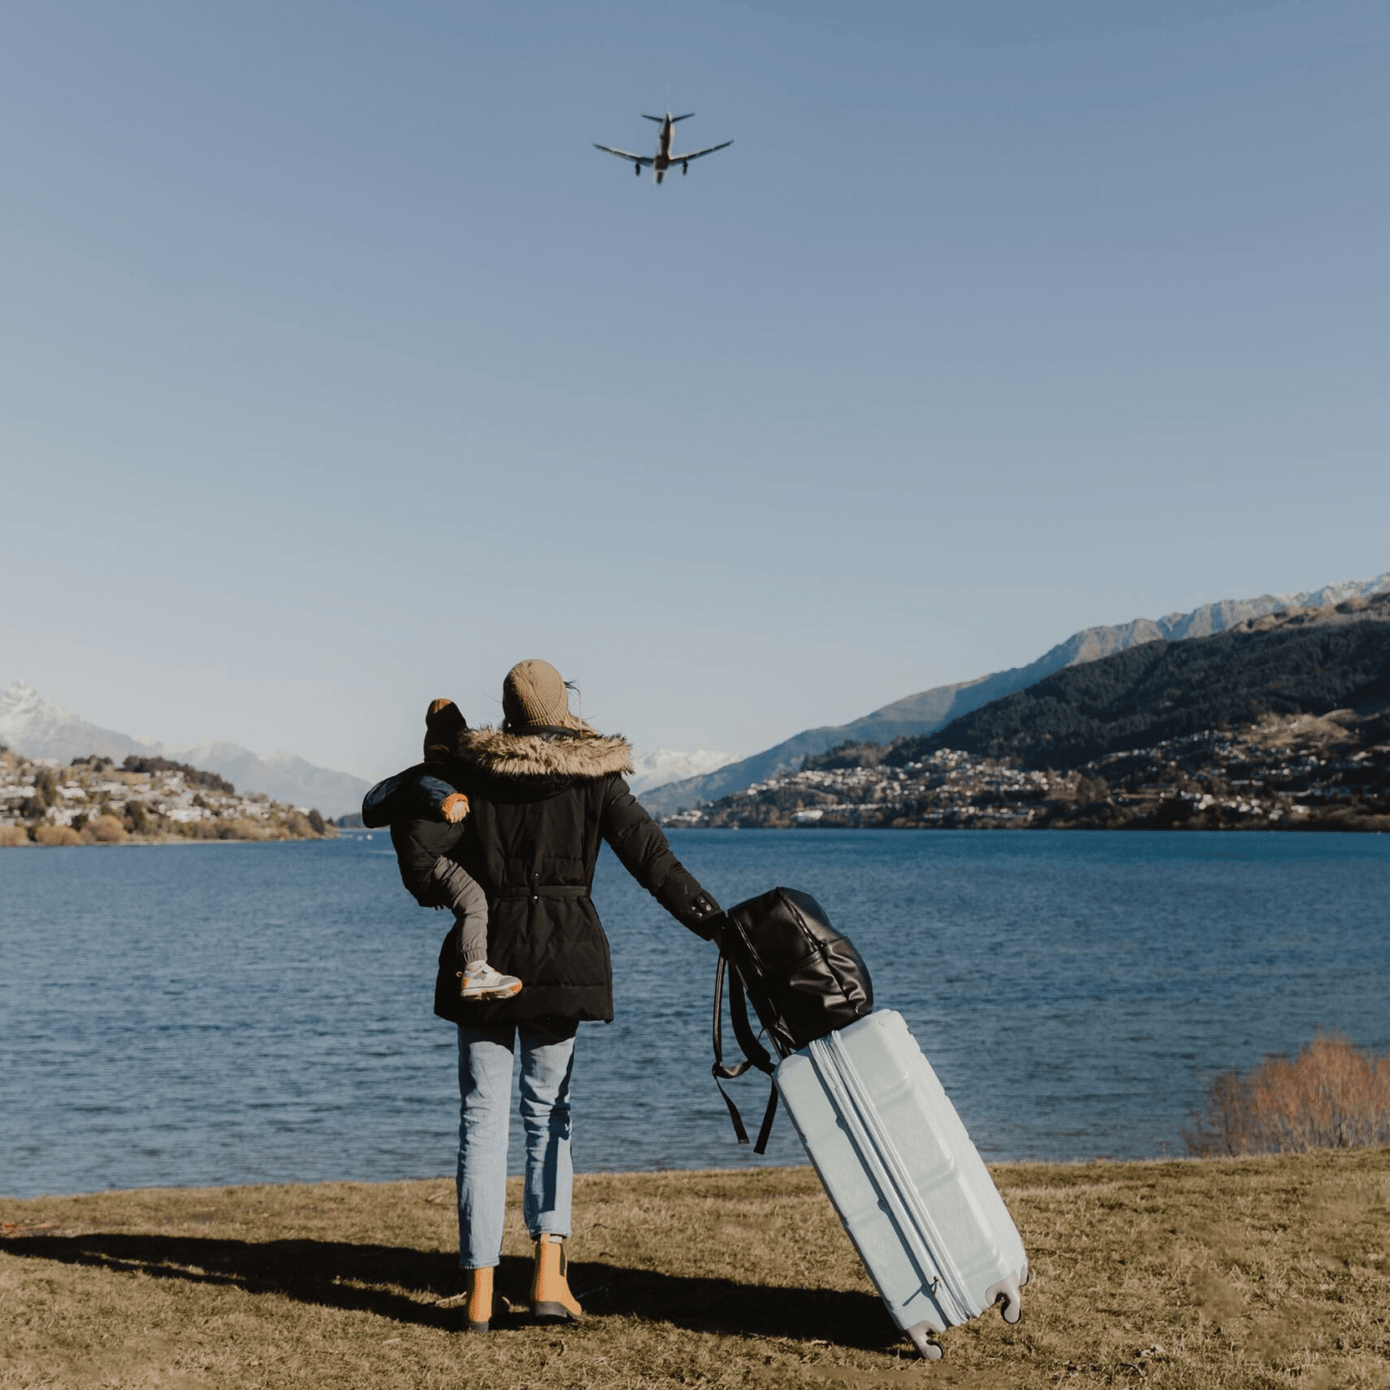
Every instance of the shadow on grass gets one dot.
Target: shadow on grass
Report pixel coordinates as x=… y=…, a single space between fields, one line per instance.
x=408 y=1286
x=841 y=1316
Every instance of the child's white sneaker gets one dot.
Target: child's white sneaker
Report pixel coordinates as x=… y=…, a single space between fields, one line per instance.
x=478 y=980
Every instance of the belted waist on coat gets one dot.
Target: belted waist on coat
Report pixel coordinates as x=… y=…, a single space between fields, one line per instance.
x=540 y=890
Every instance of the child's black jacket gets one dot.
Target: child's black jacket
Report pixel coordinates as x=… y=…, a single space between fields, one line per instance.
x=411 y=803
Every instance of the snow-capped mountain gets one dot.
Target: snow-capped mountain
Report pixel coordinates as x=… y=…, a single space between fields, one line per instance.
x=666 y=765
x=33 y=727
x=281 y=776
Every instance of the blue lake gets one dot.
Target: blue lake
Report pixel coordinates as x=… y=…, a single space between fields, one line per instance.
x=209 y=1014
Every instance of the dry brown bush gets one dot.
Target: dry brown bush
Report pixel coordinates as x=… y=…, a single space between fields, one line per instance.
x=296 y=824
x=105 y=829
x=242 y=828
x=11 y=835
x=56 y=835
x=1333 y=1096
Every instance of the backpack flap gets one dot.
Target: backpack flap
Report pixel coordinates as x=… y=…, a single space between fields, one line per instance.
x=804 y=978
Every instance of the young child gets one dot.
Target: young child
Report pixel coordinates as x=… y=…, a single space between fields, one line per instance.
x=425 y=814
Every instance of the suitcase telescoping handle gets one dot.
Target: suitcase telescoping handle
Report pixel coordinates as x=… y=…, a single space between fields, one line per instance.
x=754 y=1053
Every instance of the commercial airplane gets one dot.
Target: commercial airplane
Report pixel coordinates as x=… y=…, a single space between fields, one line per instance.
x=663 y=159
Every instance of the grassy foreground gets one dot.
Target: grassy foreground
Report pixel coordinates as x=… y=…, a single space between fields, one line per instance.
x=1236 y=1273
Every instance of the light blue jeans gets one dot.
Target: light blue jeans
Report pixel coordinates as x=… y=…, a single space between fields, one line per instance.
x=486 y=1057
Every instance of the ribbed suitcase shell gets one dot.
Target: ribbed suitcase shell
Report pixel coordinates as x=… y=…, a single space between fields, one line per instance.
x=908 y=1184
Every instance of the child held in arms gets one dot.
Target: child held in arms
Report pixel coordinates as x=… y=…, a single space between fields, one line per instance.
x=425 y=814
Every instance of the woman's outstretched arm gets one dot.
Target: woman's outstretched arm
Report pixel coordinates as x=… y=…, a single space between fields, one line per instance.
x=646 y=854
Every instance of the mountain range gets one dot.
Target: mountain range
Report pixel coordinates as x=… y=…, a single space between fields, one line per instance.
x=666 y=781
x=1312 y=661
x=36 y=729
x=666 y=765
x=1282 y=722
x=930 y=710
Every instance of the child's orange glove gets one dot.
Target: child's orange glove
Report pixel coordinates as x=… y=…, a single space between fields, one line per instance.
x=455 y=807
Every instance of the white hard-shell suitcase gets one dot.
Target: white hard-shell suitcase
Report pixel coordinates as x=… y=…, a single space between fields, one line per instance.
x=908 y=1184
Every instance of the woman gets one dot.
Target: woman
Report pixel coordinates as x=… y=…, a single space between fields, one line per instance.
x=545 y=789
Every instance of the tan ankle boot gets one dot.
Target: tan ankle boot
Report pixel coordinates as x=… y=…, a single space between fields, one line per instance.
x=551 y=1299
x=479 y=1299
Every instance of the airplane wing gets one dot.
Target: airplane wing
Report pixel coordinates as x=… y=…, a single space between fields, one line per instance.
x=686 y=158
x=623 y=154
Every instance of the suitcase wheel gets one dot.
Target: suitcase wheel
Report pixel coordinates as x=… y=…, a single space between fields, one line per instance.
x=1006 y=1292
x=921 y=1339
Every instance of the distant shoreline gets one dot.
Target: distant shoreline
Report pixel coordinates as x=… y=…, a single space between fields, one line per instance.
x=1370 y=825
x=145 y=801
x=132 y=843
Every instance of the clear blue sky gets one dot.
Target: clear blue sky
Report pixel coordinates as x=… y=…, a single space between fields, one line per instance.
x=340 y=371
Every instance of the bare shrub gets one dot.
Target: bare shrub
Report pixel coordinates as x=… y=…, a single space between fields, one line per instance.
x=295 y=825
x=1333 y=1096
x=1224 y=1124
x=105 y=829
x=241 y=828
x=11 y=835
x=56 y=835
x=46 y=786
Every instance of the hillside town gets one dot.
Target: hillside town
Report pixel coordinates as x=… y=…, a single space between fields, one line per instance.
x=1284 y=772
x=95 y=801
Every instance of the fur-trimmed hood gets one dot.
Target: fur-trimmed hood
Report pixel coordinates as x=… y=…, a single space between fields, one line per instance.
x=547 y=753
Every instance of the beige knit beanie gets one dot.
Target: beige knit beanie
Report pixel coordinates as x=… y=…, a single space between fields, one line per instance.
x=443 y=724
x=533 y=693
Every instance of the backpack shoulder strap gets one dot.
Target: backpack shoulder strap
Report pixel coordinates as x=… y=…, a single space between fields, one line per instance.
x=754 y=1053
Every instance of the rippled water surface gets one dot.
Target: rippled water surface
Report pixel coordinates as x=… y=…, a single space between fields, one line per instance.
x=206 y=1014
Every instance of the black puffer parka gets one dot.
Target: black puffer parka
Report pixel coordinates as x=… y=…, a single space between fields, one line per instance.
x=542 y=800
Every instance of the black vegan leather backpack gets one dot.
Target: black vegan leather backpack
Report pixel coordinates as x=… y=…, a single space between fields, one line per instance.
x=803 y=978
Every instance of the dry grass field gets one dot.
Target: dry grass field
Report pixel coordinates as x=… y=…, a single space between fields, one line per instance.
x=1238 y=1273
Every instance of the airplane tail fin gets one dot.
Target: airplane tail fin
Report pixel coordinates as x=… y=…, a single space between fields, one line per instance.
x=674 y=119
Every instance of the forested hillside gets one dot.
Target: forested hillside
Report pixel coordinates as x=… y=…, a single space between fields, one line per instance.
x=1283 y=723
x=922 y=714
x=1305 y=663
